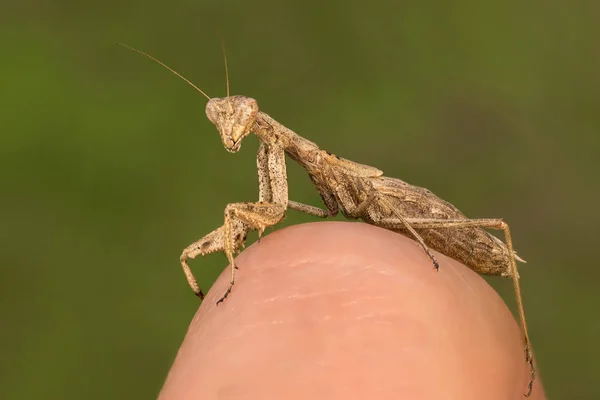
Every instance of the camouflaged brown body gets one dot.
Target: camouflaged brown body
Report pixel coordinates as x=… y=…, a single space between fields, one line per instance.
x=472 y=246
x=344 y=184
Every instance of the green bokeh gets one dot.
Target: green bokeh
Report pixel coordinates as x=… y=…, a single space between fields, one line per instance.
x=109 y=166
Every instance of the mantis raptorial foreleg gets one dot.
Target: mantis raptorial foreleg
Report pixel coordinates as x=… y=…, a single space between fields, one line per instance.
x=242 y=217
x=257 y=216
x=268 y=211
x=210 y=243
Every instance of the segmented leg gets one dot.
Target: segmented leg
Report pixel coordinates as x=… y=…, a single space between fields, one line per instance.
x=362 y=209
x=310 y=210
x=499 y=224
x=401 y=222
x=210 y=243
x=258 y=216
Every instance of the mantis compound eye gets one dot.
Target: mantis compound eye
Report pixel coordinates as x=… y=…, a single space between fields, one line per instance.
x=211 y=110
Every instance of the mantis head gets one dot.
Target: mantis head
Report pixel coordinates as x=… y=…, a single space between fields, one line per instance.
x=234 y=117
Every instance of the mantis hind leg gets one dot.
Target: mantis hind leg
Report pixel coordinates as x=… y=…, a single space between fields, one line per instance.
x=498 y=224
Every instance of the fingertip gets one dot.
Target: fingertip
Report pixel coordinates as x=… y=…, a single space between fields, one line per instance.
x=354 y=310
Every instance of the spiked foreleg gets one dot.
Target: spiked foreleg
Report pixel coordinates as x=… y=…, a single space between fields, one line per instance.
x=257 y=216
x=273 y=201
x=211 y=243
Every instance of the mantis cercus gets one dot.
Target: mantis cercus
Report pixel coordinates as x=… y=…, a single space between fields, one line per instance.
x=357 y=191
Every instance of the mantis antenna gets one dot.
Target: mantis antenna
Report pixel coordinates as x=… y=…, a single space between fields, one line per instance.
x=226 y=69
x=175 y=72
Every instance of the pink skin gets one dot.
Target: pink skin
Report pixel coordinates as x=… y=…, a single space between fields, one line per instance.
x=336 y=310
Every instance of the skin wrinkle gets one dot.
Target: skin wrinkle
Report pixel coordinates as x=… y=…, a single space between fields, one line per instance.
x=345 y=269
x=378 y=313
x=342 y=266
x=315 y=294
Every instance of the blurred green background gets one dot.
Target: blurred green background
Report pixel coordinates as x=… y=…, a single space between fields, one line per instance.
x=109 y=166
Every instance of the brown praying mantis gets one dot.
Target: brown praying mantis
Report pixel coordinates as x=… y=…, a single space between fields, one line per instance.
x=357 y=191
